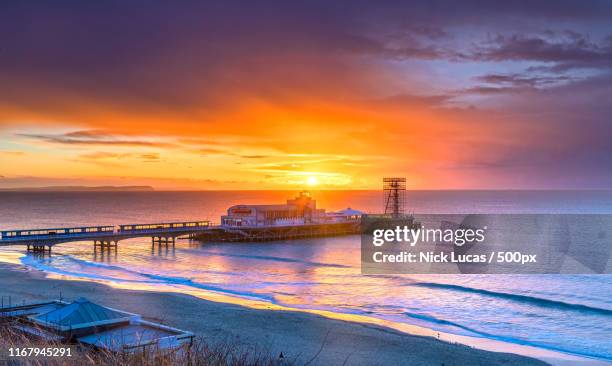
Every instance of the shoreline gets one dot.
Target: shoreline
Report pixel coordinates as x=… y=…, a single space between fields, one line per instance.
x=299 y=335
x=267 y=328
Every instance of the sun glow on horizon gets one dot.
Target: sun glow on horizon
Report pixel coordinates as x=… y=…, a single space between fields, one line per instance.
x=312 y=181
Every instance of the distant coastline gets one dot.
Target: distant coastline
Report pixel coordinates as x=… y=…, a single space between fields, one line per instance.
x=79 y=189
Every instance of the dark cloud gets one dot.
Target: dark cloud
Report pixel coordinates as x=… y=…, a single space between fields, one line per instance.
x=159 y=55
x=566 y=50
x=88 y=134
x=493 y=90
x=149 y=158
x=100 y=155
x=514 y=83
x=103 y=155
x=254 y=156
x=523 y=80
x=212 y=151
x=93 y=138
x=111 y=159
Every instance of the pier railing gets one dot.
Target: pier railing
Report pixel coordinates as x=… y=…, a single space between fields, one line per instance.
x=38 y=238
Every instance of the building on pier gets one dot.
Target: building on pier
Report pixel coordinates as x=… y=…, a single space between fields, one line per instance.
x=347 y=214
x=301 y=210
x=298 y=211
x=298 y=218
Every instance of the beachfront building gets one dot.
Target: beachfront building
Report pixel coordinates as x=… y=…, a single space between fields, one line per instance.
x=87 y=323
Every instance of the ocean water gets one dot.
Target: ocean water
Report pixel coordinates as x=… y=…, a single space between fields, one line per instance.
x=568 y=313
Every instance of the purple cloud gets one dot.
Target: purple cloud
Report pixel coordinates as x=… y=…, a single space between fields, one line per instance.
x=572 y=51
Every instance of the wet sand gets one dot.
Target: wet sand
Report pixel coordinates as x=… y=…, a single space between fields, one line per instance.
x=299 y=336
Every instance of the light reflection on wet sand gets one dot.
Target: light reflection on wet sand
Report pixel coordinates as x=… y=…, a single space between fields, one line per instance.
x=298 y=302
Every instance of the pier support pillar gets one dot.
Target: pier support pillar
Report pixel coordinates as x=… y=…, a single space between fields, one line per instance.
x=39 y=248
x=162 y=240
x=105 y=244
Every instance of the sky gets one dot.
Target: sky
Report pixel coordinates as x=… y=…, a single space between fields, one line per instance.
x=298 y=94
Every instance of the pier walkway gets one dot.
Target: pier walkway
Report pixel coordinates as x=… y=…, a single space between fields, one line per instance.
x=102 y=236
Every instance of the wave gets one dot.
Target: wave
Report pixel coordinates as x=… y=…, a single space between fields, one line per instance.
x=152 y=278
x=188 y=282
x=276 y=259
x=127 y=270
x=445 y=322
x=435 y=320
x=441 y=324
x=27 y=261
x=538 y=301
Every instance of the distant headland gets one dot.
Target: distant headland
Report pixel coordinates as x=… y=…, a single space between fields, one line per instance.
x=78 y=189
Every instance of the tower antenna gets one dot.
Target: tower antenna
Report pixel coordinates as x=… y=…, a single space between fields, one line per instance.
x=394 y=196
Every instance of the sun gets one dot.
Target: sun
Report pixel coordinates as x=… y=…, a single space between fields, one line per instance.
x=312 y=181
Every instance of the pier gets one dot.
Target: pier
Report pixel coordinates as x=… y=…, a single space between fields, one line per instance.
x=299 y=218
x=103 y=237
x=165 y=234
x=279 y=232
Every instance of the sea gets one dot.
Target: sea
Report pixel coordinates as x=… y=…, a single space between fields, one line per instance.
x=567 y=313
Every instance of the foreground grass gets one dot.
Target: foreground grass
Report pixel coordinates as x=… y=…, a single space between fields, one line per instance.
x=198 y=354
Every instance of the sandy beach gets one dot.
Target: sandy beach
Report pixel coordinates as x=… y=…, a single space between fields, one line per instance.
x=297 y=335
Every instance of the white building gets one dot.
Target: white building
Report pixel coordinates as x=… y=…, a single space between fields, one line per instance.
x=298 y=211
x=301 y=210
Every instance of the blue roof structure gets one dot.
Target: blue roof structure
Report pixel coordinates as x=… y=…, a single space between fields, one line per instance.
x=79 y=312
